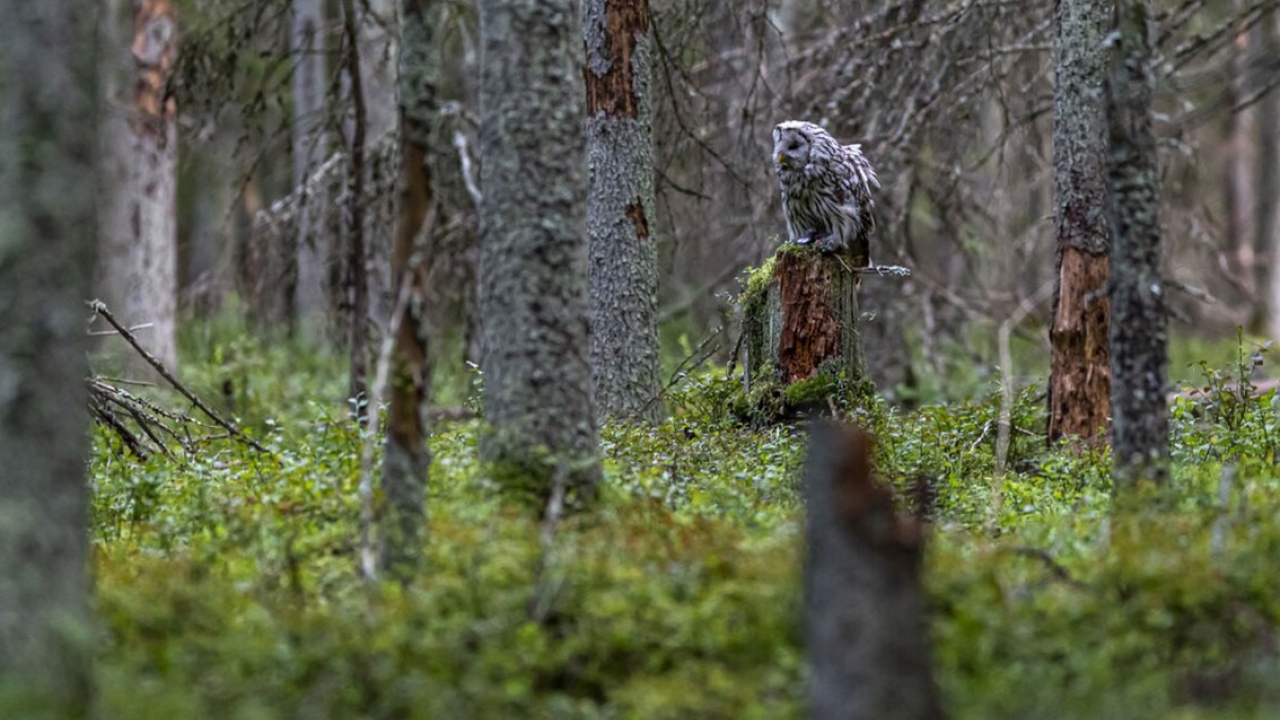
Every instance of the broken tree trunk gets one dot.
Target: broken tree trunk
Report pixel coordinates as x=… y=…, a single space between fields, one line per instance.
x=866 y=622
x=801 y=333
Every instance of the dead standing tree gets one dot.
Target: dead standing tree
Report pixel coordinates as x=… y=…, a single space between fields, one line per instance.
x=1080 y=380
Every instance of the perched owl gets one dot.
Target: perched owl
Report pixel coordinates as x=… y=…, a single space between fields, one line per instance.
x=826 y=189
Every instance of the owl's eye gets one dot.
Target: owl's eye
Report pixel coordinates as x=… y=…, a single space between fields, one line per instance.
x=793 y=145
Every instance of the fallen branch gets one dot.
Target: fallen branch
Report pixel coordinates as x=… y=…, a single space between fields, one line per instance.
x=100 y=309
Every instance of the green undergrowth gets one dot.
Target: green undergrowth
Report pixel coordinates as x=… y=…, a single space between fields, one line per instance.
x=227 y=585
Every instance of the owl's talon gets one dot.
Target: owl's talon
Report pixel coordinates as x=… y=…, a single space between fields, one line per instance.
x=828 y=243
x=805 y=240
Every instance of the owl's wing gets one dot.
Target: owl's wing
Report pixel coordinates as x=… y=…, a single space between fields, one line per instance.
x=856 y=179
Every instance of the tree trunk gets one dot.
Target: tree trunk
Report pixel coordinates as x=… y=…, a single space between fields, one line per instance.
x=1266 y=223
x=1138 y=335
x=620 y=209
x=139 y=271
x=533 y=282
x=356 y=278
x=866 y=614
x=310 y=149
x=404 y=478
x=802 y=334
x=47 y=201
x=377 y=39
x=1080 y=374
x=1237 y=193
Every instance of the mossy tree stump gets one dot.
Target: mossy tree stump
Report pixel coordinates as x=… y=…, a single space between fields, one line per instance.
x=802 y=334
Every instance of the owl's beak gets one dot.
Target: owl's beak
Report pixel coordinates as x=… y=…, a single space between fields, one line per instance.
x=781 y=159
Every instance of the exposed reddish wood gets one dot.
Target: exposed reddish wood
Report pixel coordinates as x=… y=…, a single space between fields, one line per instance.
x=154 y=27
x=1080 y=392
x=408 y=391
x=810 y=328
x=635 y=213
x=613 y=93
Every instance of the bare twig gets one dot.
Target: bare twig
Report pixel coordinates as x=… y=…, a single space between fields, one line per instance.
x=468 y=174
x=544 y=592
x=368 y=551
x=1006 y=372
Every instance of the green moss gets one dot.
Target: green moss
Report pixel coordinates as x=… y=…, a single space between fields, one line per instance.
x=803 y=393
x=756 y=283
x=226 y=586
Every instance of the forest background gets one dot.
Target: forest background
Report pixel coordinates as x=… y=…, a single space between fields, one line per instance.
x=260 y=256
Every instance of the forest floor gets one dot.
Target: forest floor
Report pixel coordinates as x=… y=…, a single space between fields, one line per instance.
x=227 y=584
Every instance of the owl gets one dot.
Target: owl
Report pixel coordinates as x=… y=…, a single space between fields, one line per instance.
x=826 y=189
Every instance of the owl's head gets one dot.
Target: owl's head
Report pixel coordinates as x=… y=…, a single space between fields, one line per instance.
x=793 y=142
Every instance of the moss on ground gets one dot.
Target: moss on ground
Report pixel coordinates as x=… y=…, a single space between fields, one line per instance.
x=226 y=585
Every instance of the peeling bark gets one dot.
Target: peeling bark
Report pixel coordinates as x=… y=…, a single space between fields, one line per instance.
x=1080 y=374
x=806 y=322
x=1080 y=386
x=624 y=259
x=139 y=271
x=533 y=269
x=1138 y=334
x=48 y=236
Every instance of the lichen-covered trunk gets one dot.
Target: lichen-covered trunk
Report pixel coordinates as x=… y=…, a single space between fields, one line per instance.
x=803 y=333
x=404 y=477
x=620 y=209
x=1138 y=335
x=310 y=150
x=138 y=276
x=1080 y=374
x=47 y=245
x=533 y=268
x=866 y=613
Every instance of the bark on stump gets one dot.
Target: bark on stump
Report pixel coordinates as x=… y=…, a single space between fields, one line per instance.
x=802 y=335
x=866 y=620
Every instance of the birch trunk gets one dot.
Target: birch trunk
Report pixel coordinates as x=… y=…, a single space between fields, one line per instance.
x=139 y=271
x=377 y=43
x=1080 y=375
x=47 y=245
x=533 y=269
x=620 y=208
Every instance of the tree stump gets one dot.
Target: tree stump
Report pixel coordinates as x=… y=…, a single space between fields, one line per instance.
x=801 y=334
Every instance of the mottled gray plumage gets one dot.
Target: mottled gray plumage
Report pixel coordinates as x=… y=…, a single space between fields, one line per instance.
x=826 y=189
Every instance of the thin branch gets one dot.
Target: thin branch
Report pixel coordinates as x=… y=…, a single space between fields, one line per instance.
x=100 y=308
